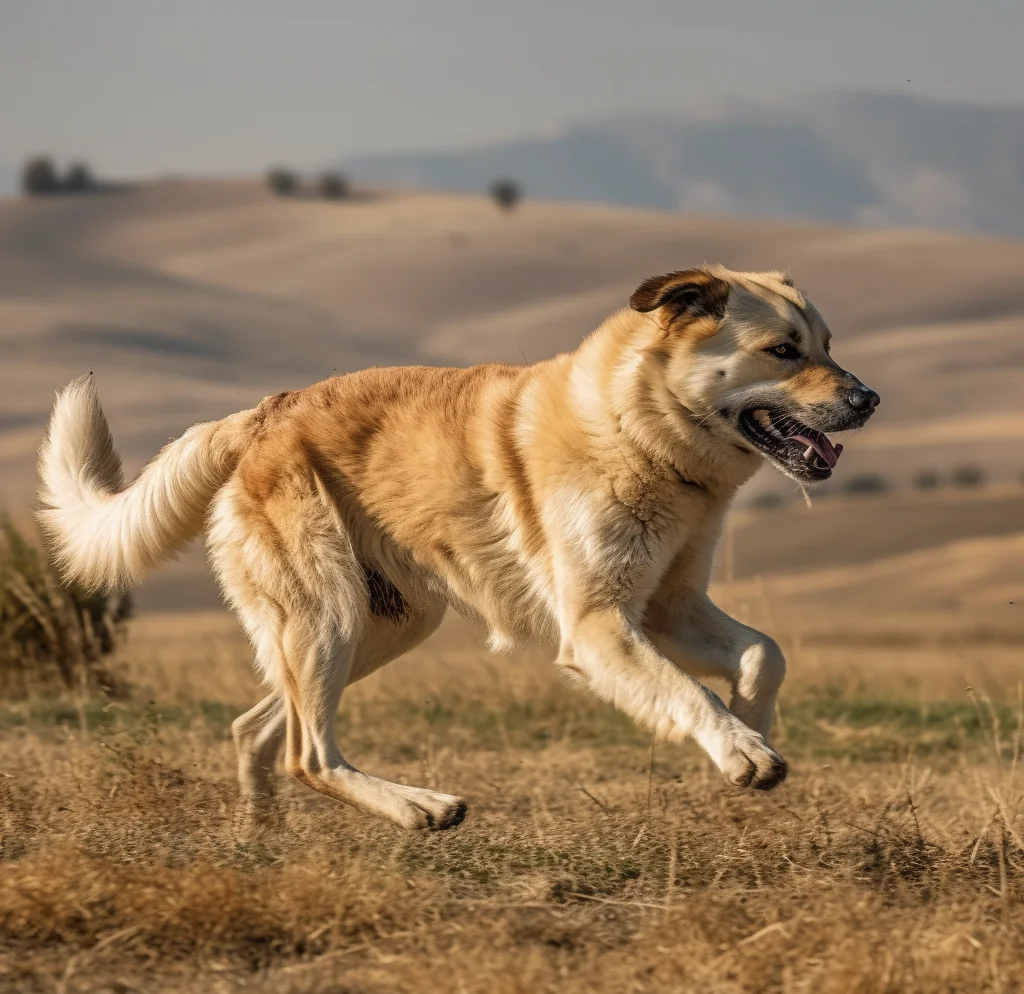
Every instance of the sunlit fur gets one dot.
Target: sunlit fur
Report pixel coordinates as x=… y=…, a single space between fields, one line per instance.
x=576 y=501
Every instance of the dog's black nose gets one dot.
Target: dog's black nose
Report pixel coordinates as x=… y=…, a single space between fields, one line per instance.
x=863 y=400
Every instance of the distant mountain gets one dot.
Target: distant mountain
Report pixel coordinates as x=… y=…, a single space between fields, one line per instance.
x=851 y=157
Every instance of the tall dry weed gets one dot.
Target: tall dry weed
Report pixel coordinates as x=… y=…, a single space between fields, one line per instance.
x=52 y=637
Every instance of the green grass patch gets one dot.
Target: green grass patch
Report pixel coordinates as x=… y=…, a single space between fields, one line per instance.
x=819 y=727
x=100 y=715
x=521 y=724
x=873 y=729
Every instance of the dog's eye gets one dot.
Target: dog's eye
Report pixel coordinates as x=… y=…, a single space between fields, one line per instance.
x=784 y=350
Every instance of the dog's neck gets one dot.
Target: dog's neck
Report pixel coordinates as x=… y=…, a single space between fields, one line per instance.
x=616 y=384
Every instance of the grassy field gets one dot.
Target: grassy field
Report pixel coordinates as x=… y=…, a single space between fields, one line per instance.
x=592 y=860
x=891 y=860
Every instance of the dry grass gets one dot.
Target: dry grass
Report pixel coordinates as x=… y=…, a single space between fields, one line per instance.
x=52 y=636
x=891 y=860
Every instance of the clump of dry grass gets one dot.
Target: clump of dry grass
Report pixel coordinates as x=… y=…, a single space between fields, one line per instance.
x=589 y=862
x=52 y=636
x=65 y=900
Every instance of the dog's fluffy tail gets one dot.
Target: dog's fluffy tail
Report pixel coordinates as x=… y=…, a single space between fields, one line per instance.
x=104 y=535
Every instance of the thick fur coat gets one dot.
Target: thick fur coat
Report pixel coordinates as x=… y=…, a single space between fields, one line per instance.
x=576 y=502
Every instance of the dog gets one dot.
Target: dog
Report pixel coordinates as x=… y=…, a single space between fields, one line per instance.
x=576 y=501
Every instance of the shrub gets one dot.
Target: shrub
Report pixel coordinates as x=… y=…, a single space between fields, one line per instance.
x=866 y=483
x=283 y=182
x=927 y=479
x=38 y=177
x=51 y=636
x=333 y=186
x=766 y=501
x=506 y=193
x=79 y=178
x=968 y=476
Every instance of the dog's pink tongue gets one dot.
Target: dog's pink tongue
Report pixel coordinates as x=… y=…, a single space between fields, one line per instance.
x=822 y=444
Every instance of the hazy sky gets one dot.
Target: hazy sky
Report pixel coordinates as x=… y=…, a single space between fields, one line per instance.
x=144 y=86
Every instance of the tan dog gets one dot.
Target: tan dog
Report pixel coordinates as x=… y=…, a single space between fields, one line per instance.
x=576 y=501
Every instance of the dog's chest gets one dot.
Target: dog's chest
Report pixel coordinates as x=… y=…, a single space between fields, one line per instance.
x=646 y=526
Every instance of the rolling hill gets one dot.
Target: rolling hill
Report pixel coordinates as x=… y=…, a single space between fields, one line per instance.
x=194 y=299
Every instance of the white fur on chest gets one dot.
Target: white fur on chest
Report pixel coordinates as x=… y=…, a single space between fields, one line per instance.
x=622 y=547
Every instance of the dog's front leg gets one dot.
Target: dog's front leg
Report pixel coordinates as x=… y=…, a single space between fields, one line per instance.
x=619 y=663
x=703 y=640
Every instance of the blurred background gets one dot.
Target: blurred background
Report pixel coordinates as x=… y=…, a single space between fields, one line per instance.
x=205 y=203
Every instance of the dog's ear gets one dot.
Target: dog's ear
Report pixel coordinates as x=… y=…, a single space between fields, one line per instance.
x=692 y=292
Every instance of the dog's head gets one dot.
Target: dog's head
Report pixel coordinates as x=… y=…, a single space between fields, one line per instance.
x=746 y=357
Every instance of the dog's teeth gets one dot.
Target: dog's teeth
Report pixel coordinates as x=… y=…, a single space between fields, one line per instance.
x=764 y=418
x=809 y=454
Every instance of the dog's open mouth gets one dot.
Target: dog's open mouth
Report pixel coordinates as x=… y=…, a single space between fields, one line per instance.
x=801 y=451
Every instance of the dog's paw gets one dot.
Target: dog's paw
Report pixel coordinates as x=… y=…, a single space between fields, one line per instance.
x=430 y=811
x=450 y=815
x=748 y=761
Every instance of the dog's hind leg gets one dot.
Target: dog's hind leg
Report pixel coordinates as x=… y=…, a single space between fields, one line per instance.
x=287 y=566
x=259 y=735
x=317 y=669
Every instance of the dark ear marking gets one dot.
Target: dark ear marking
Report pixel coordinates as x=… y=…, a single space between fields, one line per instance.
x=786 y=281
x=694 y=292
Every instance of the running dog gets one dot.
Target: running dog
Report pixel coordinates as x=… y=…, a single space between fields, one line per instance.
x=576 y=501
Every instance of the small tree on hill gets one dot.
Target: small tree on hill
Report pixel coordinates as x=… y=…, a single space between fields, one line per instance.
x=334 y=186
x=767 y=500
x=506 y=193
x=968 y=476
x=283 y=182
x=38 y=177
x=927 y=480
x=79 y=178
x=866 y=483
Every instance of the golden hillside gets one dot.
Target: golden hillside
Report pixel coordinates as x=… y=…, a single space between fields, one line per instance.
x=193 y=299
